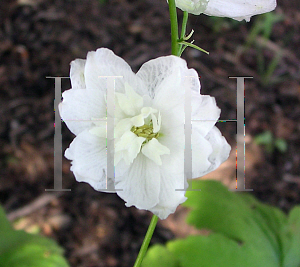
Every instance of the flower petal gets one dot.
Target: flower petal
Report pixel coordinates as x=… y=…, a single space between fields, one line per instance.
x=201 y=150
x=156 y=122
x=221 y=148
x=127 y=147
x=239 y=9
x=170 y=95
x=80 y=108
x=89 y=161
x=172 y=183
x=236 y=9
x=140 y=185
x=138 y=120
x=195 y=7
x=205 y=113
x=154 y=149
x=208 y=152
x=77 y=74
x=130 y=102
x=123 y=126
x=99 y=131
x=155 y=71
x=104 y=63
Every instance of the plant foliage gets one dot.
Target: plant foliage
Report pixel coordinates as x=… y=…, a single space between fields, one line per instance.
x=20 y=249
x=243 y=232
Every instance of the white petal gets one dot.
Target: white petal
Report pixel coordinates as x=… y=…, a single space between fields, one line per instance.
x=156 y=122
x=130 y=102
x=123 y=126
x=138 y=120
x=146 y=111
x=103 y=63
x=236 y=9
x=221 y=148
x=77 y=74
x=239 y=9
x=205 y=113
x=175 y=198
x=172 y=184
x=89 y=161
x=127 y=147
x=170 y=95
x=201 y=150
x=153 y=150
x=80 y=107
x=99 y=131
x=140 y=185
x=155 y=71
x=195 y=7
x=208 y=152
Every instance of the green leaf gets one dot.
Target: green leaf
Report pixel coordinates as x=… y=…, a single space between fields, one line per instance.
x=215 y=250
x=239 y=218
x=159 y=255
x=19 y=249
x=281 y=145
x=242 y=232
x=4 y=223
x=291 y=243
x=264 y=138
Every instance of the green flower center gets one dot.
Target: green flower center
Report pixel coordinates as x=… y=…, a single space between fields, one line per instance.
x=145 y=131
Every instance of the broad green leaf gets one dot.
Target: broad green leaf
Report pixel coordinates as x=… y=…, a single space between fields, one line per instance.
x=291 y=243
x=240 y=218
x=243 y=232
x=19 y=249
x=216 y=250
x=4 y=223
x=159 y=255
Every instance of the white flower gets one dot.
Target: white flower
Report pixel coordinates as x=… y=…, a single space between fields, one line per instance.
x=148 y=129
x=236 y=9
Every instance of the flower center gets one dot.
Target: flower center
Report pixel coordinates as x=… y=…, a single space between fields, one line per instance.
x=145 y=131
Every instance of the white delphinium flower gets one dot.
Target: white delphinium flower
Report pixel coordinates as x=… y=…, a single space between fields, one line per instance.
x=148 y=128
x=235 y=9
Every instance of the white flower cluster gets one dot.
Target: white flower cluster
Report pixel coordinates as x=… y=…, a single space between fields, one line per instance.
x=149 y=121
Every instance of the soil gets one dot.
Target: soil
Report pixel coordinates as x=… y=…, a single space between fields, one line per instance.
x=40 y=38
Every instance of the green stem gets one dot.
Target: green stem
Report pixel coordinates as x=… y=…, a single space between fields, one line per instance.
x=174 y=27
x=183 y=29
x=184 y=23
x=146 y=241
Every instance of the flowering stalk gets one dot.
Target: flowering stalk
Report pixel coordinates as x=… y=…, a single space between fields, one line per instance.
x=176 y=50
x=174 y=27
x=148 y=127
x=146 y=241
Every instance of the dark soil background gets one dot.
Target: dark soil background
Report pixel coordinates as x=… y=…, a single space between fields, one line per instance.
x=39 y=38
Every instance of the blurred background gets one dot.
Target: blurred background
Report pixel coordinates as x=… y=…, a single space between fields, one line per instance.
x=39 y=38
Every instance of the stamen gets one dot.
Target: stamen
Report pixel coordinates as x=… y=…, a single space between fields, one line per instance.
x=145 y=131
